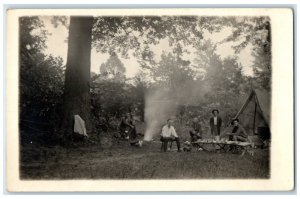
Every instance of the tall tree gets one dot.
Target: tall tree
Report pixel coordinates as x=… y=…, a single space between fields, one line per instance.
x=77 y=76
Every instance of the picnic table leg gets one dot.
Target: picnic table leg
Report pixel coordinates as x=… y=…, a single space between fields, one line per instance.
x=243 y=151
x=246 y=149
x=221 y=147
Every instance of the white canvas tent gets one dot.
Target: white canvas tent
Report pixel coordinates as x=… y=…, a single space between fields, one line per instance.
x=254 y=115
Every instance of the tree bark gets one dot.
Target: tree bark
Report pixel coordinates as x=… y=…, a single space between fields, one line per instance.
x=77 y=99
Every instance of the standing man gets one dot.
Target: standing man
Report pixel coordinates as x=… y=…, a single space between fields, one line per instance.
x=168 y=134
x=215 y=124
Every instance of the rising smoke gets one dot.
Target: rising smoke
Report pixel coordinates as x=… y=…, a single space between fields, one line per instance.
x=158 y=108
x=161 y=104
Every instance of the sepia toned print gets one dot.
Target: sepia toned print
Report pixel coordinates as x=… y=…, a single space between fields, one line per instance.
x=145 y=97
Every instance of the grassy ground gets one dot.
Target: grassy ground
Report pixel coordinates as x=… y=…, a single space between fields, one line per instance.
x=126 y=162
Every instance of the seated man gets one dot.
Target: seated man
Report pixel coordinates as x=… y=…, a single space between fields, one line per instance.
x=196 y=132
x=169 y=134
x=126 y=127
x=238 y=132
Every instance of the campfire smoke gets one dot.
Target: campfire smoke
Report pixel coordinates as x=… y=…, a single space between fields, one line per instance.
x=162 y=103
x=158 y=108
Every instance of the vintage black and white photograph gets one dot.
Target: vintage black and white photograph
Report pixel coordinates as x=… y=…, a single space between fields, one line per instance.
x=145 y=97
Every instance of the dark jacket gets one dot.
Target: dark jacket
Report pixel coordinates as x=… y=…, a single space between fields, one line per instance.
x=239 y=131
x=196 y=126
x=219 y=124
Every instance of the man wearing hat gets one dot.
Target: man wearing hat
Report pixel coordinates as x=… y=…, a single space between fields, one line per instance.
x=238 y=132
x=215 y=124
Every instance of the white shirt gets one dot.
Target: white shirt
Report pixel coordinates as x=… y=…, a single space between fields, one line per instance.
x=215 y=121
x=168 y=131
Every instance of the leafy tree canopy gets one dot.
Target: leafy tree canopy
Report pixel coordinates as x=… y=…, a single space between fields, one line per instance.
x=113 y=68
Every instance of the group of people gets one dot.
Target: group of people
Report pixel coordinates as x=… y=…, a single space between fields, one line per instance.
x=169 y=134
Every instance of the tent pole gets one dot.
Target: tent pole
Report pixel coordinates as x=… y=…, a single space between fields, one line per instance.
x=254 y=117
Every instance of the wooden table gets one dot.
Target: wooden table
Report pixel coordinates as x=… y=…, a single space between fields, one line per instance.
x=243 y=146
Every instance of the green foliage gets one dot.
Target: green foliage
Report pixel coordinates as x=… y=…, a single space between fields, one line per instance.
x=41 y=85
x=223 y=81
x=249 y=30
x=171 y=71
x=262 y=67
x=113 y=68
x=111 y=97
x=59 y=20
x=32 y=34
x=255 y=31
x=41 y=80
x=121 y=34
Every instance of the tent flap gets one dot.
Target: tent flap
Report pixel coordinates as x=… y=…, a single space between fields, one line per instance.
x=264 y=102
x=262 y=99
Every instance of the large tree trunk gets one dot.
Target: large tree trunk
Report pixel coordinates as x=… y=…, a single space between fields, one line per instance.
x=77 y=98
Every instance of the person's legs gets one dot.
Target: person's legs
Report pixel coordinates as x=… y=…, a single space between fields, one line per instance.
x=165 y=141
x=132 y=133
x=240 y=138
x=122 y=133
x=193 y=136
x=215 y=132
x=198 y=136
x=177 y=143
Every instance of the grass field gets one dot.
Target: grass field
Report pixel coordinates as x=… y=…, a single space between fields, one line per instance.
x=126 y=162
